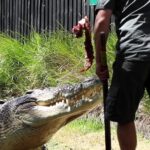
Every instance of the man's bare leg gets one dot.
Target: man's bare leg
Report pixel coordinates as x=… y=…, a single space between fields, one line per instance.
x=127 y=136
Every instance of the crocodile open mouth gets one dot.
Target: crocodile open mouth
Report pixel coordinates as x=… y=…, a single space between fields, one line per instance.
x=73 y=101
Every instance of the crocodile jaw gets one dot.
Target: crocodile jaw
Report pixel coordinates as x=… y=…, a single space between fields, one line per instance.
x=42 y=114
x=71 y=107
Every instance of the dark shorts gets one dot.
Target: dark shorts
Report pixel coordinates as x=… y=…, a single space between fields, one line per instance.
x=129 y=81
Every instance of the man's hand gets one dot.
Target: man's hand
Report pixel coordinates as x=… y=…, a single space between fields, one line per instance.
x=102 y=72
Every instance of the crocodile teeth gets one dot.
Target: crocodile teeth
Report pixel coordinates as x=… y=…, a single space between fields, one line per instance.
x=69 y=108
x=67 y=101
x=90 y=100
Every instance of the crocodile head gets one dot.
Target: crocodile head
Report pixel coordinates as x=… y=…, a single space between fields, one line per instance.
x=29 y=121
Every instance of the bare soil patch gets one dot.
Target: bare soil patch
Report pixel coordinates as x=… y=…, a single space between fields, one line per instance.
x=67 y=139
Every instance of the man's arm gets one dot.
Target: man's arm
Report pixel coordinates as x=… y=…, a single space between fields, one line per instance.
x=102 y=23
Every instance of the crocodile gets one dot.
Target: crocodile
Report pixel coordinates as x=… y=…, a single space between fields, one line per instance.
x=29 y=121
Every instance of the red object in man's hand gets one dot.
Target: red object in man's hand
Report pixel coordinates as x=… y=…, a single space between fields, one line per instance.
x=84 y=25
x=102 y=72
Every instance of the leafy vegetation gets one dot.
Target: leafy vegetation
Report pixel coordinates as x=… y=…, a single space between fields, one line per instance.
x=146 y=103
x=112 y=39
x=41 y=61
x=85 y=125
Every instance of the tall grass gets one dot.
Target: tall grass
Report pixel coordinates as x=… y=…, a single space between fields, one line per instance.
x=41 y=61
x=111 y=50
x=85 y=125
x=146 y=103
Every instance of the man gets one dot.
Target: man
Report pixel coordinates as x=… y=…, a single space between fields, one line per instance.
x=131 y=69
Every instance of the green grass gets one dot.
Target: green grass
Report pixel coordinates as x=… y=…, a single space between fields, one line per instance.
x=111 y=50
x=41 y=61
x=85 y=125
x=146 y=103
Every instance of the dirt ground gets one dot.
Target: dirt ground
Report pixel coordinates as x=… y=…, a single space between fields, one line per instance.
x=66 y=139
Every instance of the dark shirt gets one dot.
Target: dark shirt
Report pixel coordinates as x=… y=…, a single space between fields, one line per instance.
x=132 y=19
